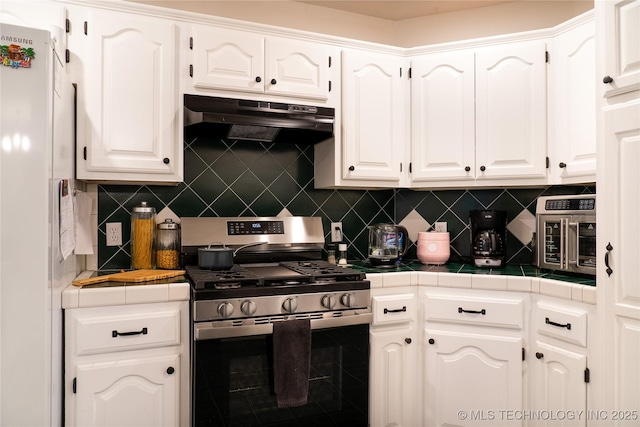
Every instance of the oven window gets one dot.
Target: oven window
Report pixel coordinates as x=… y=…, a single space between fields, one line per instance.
x=587 y=244
x=552 y=238
x=233 y=381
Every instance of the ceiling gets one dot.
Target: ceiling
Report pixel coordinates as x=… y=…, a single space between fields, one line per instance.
x=396 y=10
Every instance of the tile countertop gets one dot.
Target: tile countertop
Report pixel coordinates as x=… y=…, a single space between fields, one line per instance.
x=518 y=278
x=124 y=293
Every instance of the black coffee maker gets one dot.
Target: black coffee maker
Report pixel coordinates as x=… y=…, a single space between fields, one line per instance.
x=488 y=237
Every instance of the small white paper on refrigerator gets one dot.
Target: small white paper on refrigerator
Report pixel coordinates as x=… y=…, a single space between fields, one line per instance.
x=67 y=220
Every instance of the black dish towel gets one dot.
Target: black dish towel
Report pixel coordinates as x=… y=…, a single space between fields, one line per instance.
x=291 y=361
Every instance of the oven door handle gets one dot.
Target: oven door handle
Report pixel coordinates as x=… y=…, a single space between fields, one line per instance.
x=209 y=330
x=564 y=240
x=577 y=239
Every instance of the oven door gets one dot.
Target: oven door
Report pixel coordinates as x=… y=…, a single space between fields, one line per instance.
x=233 y=380
x=582 y=250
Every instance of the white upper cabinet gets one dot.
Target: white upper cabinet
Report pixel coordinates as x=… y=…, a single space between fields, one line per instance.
x=479 y=115
x=572 y=107
x=232 y=60
x=443 y=117
x=373 y=120
x=129 y=115
x=622 y=47
x=511 y=111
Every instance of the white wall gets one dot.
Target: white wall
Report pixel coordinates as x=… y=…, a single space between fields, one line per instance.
x=481 y=22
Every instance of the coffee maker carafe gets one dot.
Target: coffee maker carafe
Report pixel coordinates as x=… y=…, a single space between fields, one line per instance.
x=387 y=244
x=488 y=237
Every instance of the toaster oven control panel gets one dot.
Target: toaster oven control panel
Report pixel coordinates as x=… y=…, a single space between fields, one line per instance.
x=586 y=204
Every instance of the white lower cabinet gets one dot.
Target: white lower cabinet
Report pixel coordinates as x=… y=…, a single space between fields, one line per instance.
x=394 y=359
x=473 y=358
x=481 y=357
x=127 y=365
x=558 y=373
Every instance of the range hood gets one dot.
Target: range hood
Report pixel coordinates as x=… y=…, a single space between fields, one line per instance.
x=263 y=121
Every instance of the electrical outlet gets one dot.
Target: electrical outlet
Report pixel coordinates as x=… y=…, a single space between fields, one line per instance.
x=440 y=227
x=114 y=234
x=336 y=232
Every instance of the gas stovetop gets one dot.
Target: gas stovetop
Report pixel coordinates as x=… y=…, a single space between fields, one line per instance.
x=270 y=279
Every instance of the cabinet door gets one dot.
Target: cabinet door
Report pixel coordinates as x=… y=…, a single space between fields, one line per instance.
x=128 y=392
x=470 y=379
x=393 y=377
x=373 y=125
x=621 y=230
x=511 y=111
x=228 y=59
x=621 y=32
x=443 y=117
x=131 y=100
x=574 y=105
x=296 y=68
x=557 y=385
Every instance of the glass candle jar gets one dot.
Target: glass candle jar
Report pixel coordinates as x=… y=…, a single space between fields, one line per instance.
x=168 y=245
x=143 y=226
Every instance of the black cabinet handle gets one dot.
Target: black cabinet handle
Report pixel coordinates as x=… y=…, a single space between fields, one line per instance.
x=461 y=310
x=467 y=168
x=539 y=355
x=607 y=80
x=482 y=168
x=397 y=310
x=432 y=341
x=258 y=79
x=559 y=325
x=273 y=81
x=170 y=370
x=407 y=340
x=352 y=168
x=606 y=259
x=116 y=334
x=166 y=160
x=562 y=165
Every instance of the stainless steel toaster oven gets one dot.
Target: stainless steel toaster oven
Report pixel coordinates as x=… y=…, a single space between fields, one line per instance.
x=566 y=233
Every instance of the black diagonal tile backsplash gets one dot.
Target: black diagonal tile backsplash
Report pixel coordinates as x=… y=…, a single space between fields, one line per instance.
x=242 y=178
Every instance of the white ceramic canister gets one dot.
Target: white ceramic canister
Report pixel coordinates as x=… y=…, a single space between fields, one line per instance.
x=433 y=247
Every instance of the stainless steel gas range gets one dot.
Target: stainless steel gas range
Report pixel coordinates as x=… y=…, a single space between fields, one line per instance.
x=234 y=312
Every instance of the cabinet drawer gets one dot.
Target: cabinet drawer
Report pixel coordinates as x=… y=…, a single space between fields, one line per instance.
x=101 y=331
x=390 y=309
x=563 y=323
x=495 y=312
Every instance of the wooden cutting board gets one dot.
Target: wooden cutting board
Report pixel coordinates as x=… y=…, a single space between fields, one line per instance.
x=135 y=276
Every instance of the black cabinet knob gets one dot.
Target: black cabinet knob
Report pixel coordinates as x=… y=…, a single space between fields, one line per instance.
x=467 y=168
x=407 y=340
x=432 y=341
x=273 y=81
x=166 y=160
x=607 y=80
x=482 y=168
x=539 y=355
x=258 y=79
x=352 y=168
x=562 y=165
x=170 y=370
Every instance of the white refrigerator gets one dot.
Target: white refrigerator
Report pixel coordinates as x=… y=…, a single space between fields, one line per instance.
x=36 y=154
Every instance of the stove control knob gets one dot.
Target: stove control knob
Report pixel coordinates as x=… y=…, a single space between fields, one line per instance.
x=348 y=300
x=290 y=305
x=248 y=308
x=225 y=309
x=328 y=301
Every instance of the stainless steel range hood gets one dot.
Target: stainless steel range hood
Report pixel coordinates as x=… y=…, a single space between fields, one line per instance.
x=263 y=121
